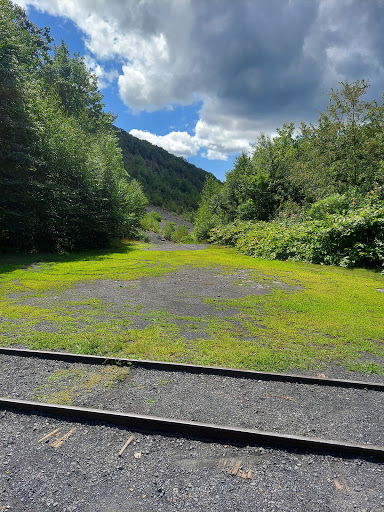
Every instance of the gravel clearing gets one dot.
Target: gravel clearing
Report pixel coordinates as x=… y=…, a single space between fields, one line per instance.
x=179 y=293
x=158 y=473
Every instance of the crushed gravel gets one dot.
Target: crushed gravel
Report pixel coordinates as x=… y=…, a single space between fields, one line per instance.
x=165 y=474
x=156 y=473
x=180 y=293
x=290 y=408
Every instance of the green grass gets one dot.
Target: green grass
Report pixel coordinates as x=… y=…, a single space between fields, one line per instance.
x=326 y=314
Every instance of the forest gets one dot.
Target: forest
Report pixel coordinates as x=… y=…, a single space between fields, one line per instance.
x=62 y=178
x=168 y=181
x=313 y=193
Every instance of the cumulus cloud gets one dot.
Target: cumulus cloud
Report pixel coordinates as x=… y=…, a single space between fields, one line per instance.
x=252 y=64
x=177 y=143
x=214 y=142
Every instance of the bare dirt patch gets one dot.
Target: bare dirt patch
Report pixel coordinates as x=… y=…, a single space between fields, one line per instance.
x=183 y=296
x=180 y=293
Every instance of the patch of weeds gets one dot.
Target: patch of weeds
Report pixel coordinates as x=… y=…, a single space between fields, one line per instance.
x=64 y=386
x=150 y=401
x=217 y=304
x=151 y=222
x=366 y=367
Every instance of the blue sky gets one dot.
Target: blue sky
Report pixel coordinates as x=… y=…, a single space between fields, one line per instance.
x=203 y=78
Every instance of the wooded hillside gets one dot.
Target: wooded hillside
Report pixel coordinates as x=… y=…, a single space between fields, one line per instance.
x=167 y=180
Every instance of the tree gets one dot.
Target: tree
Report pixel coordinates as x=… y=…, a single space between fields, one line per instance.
x=210 y=210
x=23 y=50
x=77 y=88
x=63 y=183
x=260 y=183
x=348 y=138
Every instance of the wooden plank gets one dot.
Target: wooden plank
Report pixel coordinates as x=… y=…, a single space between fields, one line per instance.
x=49 y=435
x=235 y=469
x=126 y=445
x=61 y=440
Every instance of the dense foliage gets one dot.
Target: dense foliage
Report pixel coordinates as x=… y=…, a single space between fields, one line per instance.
x=168 y=181
x=312 y=194
x=349 y=238
x=62 y=178
x=151 y=222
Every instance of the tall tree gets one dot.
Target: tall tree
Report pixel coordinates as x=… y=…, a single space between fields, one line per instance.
x=77 y=88
x=63 y=183
x=23 y=51
x=348 y=138
x=210 y=212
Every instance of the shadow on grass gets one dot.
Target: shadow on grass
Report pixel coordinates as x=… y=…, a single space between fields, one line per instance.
x=12 y=261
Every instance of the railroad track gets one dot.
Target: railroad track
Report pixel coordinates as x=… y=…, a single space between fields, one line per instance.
x=193 y=429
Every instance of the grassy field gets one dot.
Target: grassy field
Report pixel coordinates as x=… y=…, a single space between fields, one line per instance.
x=333 y=315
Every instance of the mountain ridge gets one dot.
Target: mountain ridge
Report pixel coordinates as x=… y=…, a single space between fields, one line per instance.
x=167 y=180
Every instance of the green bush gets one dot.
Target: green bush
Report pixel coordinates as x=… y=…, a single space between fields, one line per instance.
x=188 y=239
x=156 y=216
x=352 y=239
x=331 y=205
x=151 y=222
x=169 y=229
x=180 y=233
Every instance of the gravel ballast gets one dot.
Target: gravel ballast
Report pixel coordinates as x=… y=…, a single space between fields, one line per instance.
x=158 y=473
x=292 y=408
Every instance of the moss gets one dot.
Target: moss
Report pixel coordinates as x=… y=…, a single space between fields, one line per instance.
x=64 y=386
x=323 y=315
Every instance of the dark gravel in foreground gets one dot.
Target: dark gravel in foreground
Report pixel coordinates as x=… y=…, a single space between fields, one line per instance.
x=315 y=411
x=157 y=473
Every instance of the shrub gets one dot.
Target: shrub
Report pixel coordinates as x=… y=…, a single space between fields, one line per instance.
x=355 y=238
x=169 y=229
x=151 y=222
x=188 y=239
x=334 y=204
x=156 y=216
x=180 y=233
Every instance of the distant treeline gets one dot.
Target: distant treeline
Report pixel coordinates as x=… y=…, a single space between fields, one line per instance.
x=312 y=193
x=62 y=179
x=167 y=180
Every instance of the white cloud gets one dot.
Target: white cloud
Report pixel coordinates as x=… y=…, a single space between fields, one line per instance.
x=104 y=78
x=221 y=142
x=177 y=143
x=252 y=64
x=214 y=142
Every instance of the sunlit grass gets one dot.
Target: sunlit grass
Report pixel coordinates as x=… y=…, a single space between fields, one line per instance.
x=324 y=314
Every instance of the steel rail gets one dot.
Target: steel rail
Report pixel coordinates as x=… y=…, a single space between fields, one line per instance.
x=191 y=368
x=196 y=430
